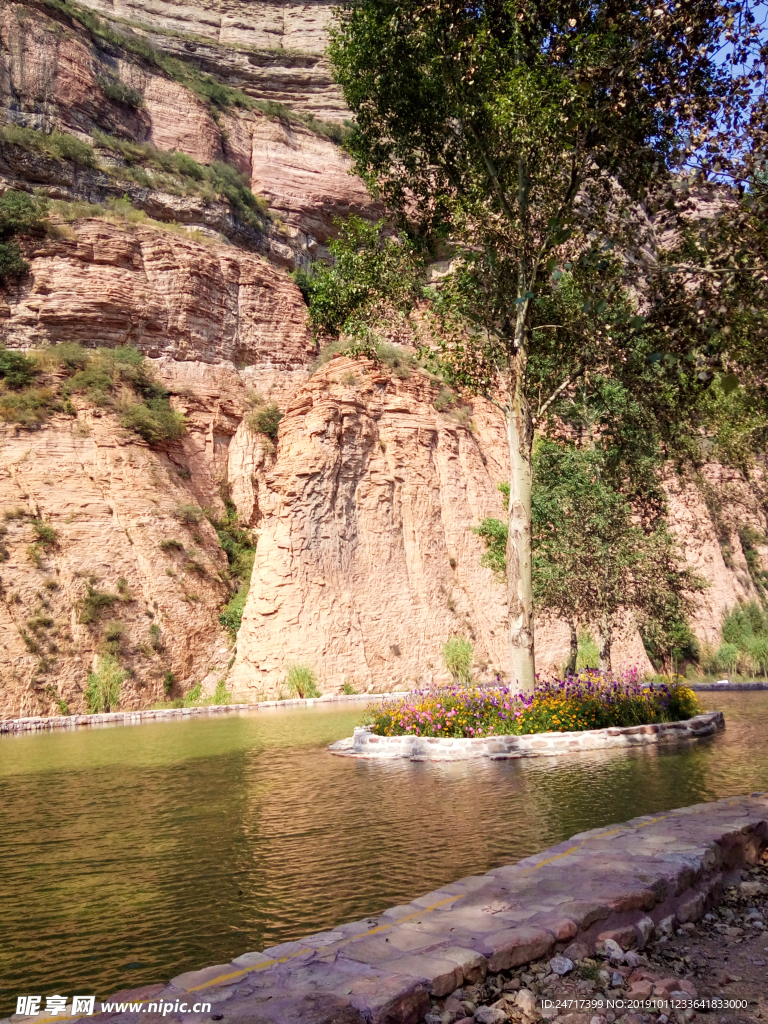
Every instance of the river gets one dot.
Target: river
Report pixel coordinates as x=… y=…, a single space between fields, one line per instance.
x=131 y=854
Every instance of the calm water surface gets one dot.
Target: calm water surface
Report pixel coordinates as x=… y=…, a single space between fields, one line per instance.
x=128 y=855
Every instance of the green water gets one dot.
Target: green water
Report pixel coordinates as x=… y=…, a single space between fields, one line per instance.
x=131 y=854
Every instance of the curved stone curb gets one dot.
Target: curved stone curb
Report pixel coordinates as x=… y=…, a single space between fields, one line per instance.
x=498 y=748
x=626 y=882
x=725 y=687
x=39 y=724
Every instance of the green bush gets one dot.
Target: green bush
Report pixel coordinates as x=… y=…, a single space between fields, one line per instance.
x=94 y=603
x=45 y=533
x=302 y=681
x=116 y=90
x=727 y=656
x=169 y=681
x=57 y=145
x=12 y=263
x=588 y=653
x=347 y=688
x=16 y=370
x=265 y=420
x=458 y=655
x=188 y=514
x=104 y=685
x=154 y=420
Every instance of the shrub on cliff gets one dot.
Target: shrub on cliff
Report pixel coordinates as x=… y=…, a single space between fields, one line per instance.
x=265 y=420
x=154 y=420
x=302 y=681
x=16 y=370
x=20 y=214
x=104 y=685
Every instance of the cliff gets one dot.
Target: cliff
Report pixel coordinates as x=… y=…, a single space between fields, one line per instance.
x=147 y=127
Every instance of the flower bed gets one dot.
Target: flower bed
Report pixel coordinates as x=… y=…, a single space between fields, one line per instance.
x=589 y=700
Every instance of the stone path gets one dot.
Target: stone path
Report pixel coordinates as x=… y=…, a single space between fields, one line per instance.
x=624 y=884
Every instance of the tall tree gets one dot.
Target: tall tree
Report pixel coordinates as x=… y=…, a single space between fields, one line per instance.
x=531 y=138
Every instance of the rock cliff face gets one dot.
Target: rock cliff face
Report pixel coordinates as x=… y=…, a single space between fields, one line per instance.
x=366 y=561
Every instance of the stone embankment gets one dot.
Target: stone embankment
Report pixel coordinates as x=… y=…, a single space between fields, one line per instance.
x=40 y=723
x=605 y=893
x=366 y=744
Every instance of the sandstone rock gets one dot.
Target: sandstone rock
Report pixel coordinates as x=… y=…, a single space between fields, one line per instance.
x=145 y=287
x=560 y=965
x=525 y=1000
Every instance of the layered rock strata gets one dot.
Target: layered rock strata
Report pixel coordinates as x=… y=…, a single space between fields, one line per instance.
x=612 y=888
x=367 y=561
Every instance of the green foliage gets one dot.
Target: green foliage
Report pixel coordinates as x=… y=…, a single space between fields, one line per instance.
x=12 y=263
x=17 y=371
x=363 y=293
x=57 y=145
x=588 y=653
x=302 y=681
x=188 y=514
x=332 y=130
x=45 y=534
x=102 y=376
x=169 y=681
x=219 y=97
x=104 y=685
x=239 y=545
x=155 y=638
x=458 y=655
x=62 y=706
x=726 y=657
x=494 y=532
x=20 y=214
x=171 y=545
x=94 y=603
x=115 y=89
x=265 y=420
x=154 y=420
x=221 y=695
x=593 y=555
x=347 y=688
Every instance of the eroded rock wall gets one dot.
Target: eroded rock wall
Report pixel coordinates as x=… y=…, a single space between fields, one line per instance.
x=366 y=560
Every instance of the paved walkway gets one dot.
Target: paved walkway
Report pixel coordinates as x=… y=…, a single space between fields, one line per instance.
x=624 y=882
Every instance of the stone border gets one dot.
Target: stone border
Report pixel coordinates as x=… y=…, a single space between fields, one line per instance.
x=501 y=748
x=625 y=883
x=40 y=724
x=717 y=687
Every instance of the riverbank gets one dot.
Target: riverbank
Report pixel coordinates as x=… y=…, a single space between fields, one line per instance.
x=627 y=884
x=41 y=724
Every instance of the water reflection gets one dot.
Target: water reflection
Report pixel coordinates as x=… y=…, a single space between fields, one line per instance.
x=131 y=854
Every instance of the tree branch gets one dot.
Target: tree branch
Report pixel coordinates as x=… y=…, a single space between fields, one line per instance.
x=556 y=393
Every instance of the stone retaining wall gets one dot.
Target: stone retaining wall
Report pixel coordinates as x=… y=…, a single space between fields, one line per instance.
x=628 y=883
x=39 y=724
x=499 y=748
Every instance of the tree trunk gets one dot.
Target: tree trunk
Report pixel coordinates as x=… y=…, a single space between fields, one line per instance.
x=571 y=667
x=606 y=630
x=519 y=582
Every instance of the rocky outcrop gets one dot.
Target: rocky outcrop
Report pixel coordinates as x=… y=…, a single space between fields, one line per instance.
x=111 y=502
x=113 y=284
x=52 y=77
x=366 y=560
x=278 y=25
